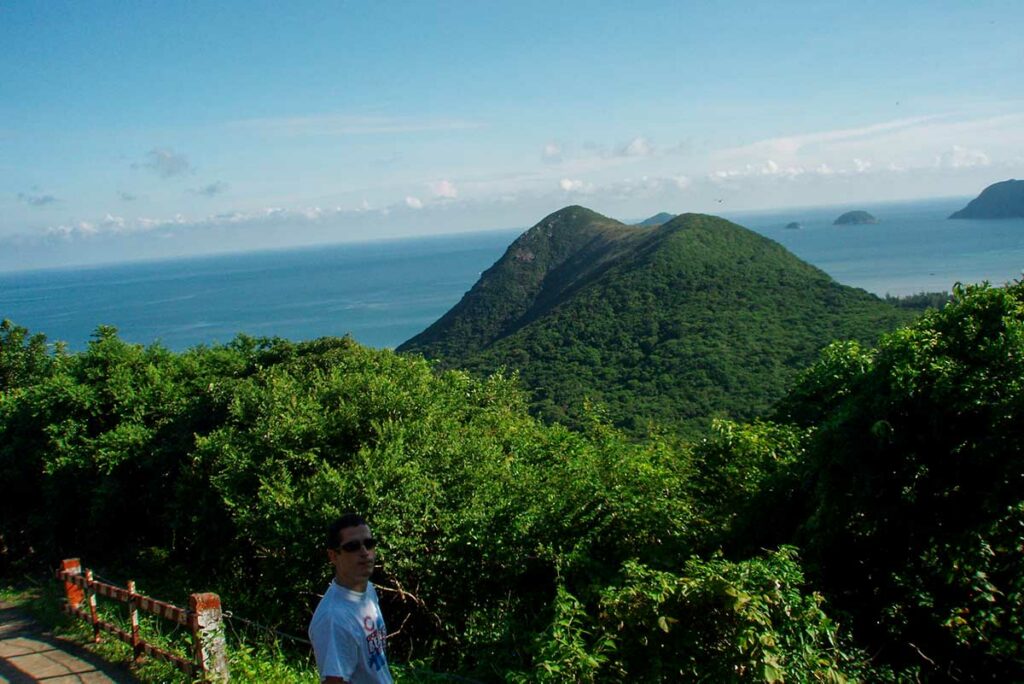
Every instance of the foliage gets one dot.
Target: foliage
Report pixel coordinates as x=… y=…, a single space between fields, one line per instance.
x=24 y=358
x=722 y=621
x=921 y=301
x=745 y=476
x=568 y=649
x=914 y=484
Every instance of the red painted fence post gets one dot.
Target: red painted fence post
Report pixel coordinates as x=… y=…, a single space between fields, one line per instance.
x=208 y=636
x=74 y=594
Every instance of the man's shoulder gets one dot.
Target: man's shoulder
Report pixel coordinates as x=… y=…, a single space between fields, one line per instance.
x=332 y=618
x=324 y=607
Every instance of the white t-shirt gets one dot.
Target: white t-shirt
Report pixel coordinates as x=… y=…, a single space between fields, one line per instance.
x=348 y=635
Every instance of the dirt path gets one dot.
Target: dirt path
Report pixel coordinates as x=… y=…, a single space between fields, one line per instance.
x=29 y=654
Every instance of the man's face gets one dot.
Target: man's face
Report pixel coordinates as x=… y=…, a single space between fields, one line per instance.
x=353 y=567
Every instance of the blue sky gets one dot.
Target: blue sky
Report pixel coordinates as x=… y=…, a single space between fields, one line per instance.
x=136 y=129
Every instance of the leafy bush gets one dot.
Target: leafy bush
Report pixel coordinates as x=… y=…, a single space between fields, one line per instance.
x=915 y=478
x=717 y=620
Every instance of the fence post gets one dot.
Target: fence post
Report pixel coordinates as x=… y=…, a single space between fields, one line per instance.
x=73 y=593
x=91 y=594
x=208 y=635
x=133 y=619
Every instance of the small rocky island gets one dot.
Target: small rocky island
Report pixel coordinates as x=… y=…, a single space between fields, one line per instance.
x=794 y=225
x=997 y=201
x=854 y=218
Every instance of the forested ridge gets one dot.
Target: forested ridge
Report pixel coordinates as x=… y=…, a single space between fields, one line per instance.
x=673 y=323
x=870 y=529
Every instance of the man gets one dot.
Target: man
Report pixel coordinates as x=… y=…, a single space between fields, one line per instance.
x=347 y=629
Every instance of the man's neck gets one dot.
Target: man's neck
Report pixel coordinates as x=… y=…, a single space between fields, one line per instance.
x=358 y=587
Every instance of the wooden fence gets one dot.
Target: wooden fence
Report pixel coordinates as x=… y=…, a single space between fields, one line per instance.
x=203 y=618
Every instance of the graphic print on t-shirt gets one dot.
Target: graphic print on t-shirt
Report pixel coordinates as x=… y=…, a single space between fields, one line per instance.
x=375 y=640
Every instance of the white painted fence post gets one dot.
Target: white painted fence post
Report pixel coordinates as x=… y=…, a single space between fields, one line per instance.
x=208 y=636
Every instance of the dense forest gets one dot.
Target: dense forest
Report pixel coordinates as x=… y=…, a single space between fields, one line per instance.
x=871 y=530
x=675 y=322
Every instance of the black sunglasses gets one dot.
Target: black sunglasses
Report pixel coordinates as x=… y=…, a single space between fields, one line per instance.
x=352 y=546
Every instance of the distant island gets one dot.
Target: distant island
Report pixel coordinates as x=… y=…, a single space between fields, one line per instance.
x=794 y=225
x=657 y=219
x=997 y=201
x=854 y=218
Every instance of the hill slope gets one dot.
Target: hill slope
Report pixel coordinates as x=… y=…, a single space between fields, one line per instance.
x=999 y=200
x=676 y=323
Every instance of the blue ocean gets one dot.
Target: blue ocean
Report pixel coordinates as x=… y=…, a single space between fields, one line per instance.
x=383 y=293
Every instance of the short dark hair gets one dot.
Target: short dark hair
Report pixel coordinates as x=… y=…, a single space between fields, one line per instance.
x=335 y=528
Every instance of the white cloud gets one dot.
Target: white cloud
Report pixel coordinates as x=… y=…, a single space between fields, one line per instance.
x=77 y=230
x=637 y=147
x=570 y=185
x=112 y=223
x=947 y=142
x=413 y=203
x=552 y=153
x=595 y=157
x=117 y=225
x=644 y=187
x=961 y=158
x=768 y=168
x=444 y=189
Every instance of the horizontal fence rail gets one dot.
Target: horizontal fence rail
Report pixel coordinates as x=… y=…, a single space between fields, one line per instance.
x=203 y=617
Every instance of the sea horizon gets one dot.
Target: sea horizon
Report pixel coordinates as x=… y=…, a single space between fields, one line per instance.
x=386 y=290
x=731 y=215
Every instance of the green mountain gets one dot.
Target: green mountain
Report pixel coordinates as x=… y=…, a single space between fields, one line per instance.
x=999 y=200
x=695 y=318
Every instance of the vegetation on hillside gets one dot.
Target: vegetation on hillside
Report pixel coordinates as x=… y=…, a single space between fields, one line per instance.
x=541 y=267
x=874 y=531
x=674 y=324
x=922 y=301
